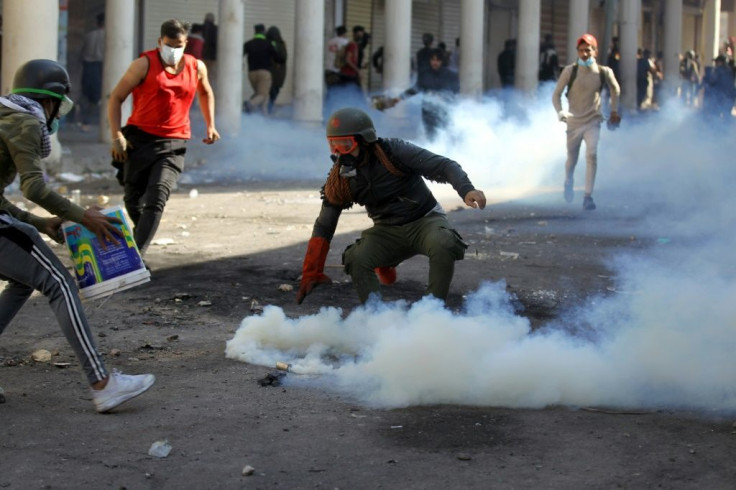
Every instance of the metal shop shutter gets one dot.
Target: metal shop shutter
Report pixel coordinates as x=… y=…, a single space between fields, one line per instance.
x=378 y=31
x=449 y=23
x=155 y=13
x=358 y=12
x=554 y=21
x=425 y=17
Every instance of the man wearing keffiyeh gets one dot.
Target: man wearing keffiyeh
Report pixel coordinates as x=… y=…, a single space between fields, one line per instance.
x=28 y=116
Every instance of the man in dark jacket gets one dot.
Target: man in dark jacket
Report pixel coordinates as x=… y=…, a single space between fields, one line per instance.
x=209 y=48
x=438 y=87
x=506 y=63
x=261 y=53
x=424 y=54
x=28 y=116
x=386 y=176
x=718 y=96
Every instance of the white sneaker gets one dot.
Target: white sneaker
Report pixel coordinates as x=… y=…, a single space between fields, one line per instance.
x=120 y=388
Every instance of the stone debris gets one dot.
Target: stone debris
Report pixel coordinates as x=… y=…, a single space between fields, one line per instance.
x=255 y=306
x=160 y=449
x=163 y=241
x=41 y=355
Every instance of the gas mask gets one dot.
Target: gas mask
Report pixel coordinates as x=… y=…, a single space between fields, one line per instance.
x=347 y=164
x=61 y=108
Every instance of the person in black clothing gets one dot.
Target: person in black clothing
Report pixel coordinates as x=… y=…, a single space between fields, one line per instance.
x=209 y=47
x=549 y=65
x=261 y=53
x=439 y=85
x=387 y=177
x=645 y=71
x=506 y=63
x=278 y=68
x=362 y=39
x=718 y=96
x=614 y=58
x=377 y=60
x=424 y=54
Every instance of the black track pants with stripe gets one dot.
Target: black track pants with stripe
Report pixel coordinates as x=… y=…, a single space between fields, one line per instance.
x=28 y=264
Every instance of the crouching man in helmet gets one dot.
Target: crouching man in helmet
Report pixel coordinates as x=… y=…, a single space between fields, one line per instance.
x=28 y=115
x=385 y=176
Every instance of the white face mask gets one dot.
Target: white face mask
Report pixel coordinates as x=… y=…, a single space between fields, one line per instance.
x=171 y=56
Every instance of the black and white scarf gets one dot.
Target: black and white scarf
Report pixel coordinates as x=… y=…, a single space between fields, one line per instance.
x=21 y=103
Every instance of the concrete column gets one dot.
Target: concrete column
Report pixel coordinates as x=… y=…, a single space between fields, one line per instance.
x=628 y=40
x=711 y=30
x=119 y=40
x=228 y=100
x=672 y=45
x=526 y=76
x=308 y=60
x=577 y=25
x=30 y=31
x=471 y=46
x=732 y=22
x=397 y=52
x=604 y=45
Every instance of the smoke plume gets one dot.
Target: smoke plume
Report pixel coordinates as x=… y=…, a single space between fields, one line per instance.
x=666 y=340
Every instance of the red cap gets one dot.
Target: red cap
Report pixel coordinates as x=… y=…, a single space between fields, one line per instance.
x=588 y=39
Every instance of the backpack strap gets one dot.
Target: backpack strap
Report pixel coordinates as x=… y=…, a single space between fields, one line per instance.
x=572 y=79
x=575 y=74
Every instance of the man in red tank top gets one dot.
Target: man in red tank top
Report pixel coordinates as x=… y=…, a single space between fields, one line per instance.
x=149 y=151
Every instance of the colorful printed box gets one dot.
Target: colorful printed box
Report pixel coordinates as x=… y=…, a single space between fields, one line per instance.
x=101 y=272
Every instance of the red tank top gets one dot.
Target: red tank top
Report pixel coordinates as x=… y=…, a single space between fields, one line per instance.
x=162 y=101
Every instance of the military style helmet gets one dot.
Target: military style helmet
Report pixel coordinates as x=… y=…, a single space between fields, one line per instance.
x=350 y=122
x=41 y=79
x=44 y=79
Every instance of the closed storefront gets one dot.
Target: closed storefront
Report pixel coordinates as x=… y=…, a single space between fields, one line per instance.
x=279 y=13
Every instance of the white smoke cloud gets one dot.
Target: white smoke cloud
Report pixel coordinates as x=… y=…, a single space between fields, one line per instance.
x=398 y=355
x=664 y=338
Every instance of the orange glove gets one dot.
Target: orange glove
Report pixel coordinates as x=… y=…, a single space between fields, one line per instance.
x=313 y=268
x=386 y=275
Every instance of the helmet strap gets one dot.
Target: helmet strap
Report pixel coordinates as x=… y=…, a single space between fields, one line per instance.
x=54 y=112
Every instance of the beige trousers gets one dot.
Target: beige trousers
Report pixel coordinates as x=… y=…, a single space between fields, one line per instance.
x=590 y=133
x=260 y=80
